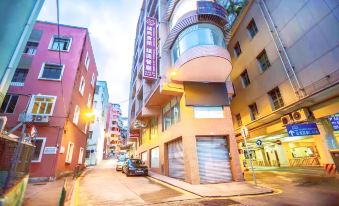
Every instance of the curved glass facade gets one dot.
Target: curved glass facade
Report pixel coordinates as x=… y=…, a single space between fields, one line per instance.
x=197 y=35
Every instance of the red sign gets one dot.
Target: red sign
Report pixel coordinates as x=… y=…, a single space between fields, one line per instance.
x=134 y=135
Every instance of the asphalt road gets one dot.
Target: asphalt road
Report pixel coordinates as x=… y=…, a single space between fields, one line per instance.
x=102 y=185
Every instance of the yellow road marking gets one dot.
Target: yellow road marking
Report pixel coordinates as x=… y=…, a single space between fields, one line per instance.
x=174 y=188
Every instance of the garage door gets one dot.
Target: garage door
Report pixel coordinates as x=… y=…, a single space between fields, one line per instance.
x=213 y=157
x=176 y=160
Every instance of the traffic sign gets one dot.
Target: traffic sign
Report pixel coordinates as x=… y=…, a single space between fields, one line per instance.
x=258 y=142
x=244 y=131
x=334 y=119
x=307 y=129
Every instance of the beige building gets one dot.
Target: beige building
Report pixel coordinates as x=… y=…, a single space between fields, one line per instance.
x=285 y=59
x=182 y=116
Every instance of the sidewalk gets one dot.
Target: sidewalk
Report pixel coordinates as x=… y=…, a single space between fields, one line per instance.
x=46 y=193
x=214 y=190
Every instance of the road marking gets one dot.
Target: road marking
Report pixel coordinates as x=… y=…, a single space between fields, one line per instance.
x=173 y=187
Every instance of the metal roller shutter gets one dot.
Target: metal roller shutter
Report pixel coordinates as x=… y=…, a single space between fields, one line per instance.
x=176 y=160
x=213 y=157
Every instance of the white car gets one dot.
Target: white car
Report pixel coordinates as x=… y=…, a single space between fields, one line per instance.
x=120 y=163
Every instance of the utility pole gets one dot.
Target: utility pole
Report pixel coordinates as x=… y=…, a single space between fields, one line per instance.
x=244 y=134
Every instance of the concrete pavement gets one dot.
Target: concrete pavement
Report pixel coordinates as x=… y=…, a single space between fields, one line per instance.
x=102 y=185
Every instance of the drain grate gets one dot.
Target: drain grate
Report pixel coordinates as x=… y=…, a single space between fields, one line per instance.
x=223 y=202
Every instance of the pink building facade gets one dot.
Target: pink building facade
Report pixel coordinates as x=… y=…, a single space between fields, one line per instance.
x=54 y=83
x=114 y=125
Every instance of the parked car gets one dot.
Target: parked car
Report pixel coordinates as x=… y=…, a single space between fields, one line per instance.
x=120 y=164
x=134 y=167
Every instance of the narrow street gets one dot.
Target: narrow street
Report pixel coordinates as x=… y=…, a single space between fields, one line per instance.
x=103 y=185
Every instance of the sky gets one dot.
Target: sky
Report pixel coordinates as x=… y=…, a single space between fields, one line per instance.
x=111 y=25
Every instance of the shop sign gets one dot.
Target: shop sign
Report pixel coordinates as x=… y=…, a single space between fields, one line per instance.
x=302 y=129
x=50 y=150
x=208 y=7
x=334 y=119
x=150 y=49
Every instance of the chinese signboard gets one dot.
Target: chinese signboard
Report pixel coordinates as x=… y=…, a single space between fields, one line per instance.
x=208 y=7
x=302 y=129
x=334 y=119
x=150 y=49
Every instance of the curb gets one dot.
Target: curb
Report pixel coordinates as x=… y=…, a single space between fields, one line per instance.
x=272 y=192
x=73 y=200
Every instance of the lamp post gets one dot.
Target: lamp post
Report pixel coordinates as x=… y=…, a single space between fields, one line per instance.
x=244 y=134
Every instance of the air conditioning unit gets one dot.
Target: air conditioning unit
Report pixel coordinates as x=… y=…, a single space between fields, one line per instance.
x=287 y=119
x=3 y=121
x=302 y=115
x=25 y=117
x=40 y=118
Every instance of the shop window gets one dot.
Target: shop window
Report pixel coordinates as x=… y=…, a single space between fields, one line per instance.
x=237 y=49
x=263 y=61
x=276 y=98
x=252 y=28
x=171 y=113
x=245 y=80
x=69 y=153
x=155 y=157
x=208 y=112
x=253 y=111
x=238 y=119
x=9 y=103
x=31 y=48
x=42 y=104
x=20 y=75
x=39 y=144
x=76 y=114
x=51 y=71
x=60 y=43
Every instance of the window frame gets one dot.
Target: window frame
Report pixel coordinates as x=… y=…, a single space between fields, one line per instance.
x=280 y=99
x=17 y=69
x=205 y=114
x=82 y=86
x=245 y=79
x=81 y=155
x=93 y=80
x=87 y=61
x=8 y=103
x=42 y=149
x=239 y=120
x=249 y=27
x=237 y=48
x=76 y=115
x=262 y=54
x=31 y=103
x=42 y=71
x=170 y=112
x=50 y=46
x=158 y=156
x=89 y=100
x=31 y=47
x=252 y=114
x=69 y=157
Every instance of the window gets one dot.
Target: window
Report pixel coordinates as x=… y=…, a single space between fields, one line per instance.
x=197 y=35
x=237 y=49
x=89 y=101
x=276 y=98
x=9 y=103
x=81 y=155
x=245 y=79
x=238 y=119
x=42 y=104
x=93 y=80
x=171 y=114
x=263 y=61
x=97 y=89
x=87 y=60
x=155 y=157
x=69 y=153
x=252 y=28
x=76 y=114
x=86 y=127
x=20 y=75
x=254 y=111
x=60 y=43
x=208 y=112
x=31 y=48
x=153 y=127
x=82 y=85
x=39 y=148
x=51 y=72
